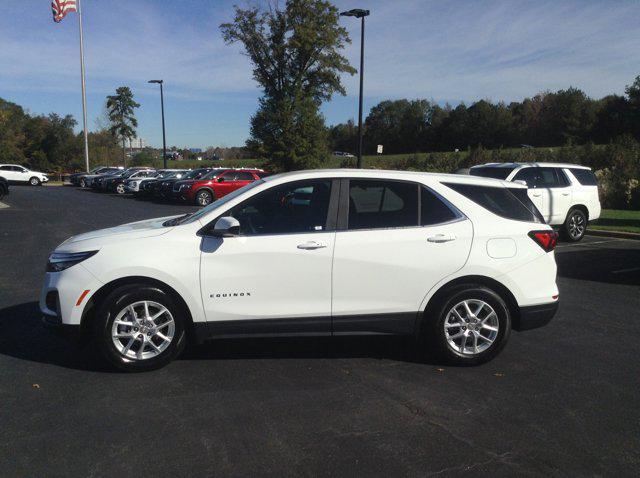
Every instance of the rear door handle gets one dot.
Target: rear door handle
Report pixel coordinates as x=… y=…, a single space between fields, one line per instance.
x=310 y=245
x=441 y=238
x=537 y=195
x=565 y=194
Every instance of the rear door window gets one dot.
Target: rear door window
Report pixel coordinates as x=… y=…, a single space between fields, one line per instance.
x=433 y=210
x=375 y=204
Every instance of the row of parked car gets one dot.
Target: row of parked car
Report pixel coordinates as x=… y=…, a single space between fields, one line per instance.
x=198 y=186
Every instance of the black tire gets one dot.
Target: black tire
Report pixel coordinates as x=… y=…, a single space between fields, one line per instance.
x=118 y=300
x=204 y=197
x=575 y=225
x=434 y=326
x=34 y=181
x=2 y=192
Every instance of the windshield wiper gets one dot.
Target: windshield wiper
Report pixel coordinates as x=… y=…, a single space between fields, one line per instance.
x=176 y=220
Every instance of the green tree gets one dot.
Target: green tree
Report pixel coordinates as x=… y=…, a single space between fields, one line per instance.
x=297 y=62
x=121 y=111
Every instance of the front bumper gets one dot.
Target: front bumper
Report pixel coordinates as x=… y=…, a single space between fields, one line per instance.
x=534 y=316
x=60 y=297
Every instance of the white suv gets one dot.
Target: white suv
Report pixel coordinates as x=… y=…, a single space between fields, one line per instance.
x=565 y=194
x=455 y=260
x=19 y=174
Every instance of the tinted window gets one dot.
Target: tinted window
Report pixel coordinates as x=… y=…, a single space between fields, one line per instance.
x=433 y=210
x=290 y=208
x=530 y=175
x=585 y=176
x=382 y=204
x=542 y=177
x=6 y=168
x=501 y=201
x=243 y=176
x=488 y=172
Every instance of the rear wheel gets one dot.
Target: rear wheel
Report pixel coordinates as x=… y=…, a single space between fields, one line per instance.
x=469 y=326
x=83 y=183
x=204 y=197
x=34 y=181
x=2 y=192
x=139 y=328
x=120 y=189
x=575 y=225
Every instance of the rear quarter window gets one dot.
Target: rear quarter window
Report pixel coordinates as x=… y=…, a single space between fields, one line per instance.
x=585 y=176
x=510 y=203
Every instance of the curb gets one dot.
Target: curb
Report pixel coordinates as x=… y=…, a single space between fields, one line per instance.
x=617 y=234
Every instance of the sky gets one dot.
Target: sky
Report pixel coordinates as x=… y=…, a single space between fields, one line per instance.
x=445 y=51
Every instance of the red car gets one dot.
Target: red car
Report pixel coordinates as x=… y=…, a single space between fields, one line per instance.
x=215 y=184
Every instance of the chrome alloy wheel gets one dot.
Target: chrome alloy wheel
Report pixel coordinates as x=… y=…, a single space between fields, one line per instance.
x=143 y=330
x=203 y=198
x=120 y=188
x=471 y=326
x=576 y=225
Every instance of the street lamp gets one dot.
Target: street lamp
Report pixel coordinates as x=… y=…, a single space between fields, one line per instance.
x=164 y=138
x=359 y=13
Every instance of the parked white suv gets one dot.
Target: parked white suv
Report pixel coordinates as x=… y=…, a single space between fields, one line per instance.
x=19 y=174
x=455 y=260
x=565 y=194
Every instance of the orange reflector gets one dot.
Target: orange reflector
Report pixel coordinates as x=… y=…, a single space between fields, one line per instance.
x=81 y=298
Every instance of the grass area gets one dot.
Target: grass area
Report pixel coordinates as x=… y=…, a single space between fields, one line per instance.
x=618 y=220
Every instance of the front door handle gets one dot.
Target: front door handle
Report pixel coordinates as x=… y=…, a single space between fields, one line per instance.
x=311 y=245
x=537 y=194
x=441 y=238
x=565 y=194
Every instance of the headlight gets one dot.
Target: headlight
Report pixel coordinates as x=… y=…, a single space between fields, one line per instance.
x=59 y=261
x=133 y=184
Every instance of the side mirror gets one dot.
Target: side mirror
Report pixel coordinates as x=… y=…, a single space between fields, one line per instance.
x=226 y=227
x=521 y=181
x=220 y=180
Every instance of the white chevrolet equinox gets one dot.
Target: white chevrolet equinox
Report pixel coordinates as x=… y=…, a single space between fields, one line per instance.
x=456 y=261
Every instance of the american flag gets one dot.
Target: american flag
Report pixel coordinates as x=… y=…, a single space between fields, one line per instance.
x=61 y=8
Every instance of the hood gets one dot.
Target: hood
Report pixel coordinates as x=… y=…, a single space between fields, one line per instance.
x=184 y=181
x=132 y=230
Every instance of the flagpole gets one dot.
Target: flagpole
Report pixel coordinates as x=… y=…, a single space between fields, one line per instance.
x=84 y=92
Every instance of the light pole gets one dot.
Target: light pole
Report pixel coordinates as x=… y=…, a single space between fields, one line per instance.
x=359 y=13
x=164 y=137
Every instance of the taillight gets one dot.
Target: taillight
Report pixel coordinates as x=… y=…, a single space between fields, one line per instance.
x=545 y=239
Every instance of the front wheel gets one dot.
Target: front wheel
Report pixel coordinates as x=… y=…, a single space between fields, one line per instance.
x=575 y=225
x=83 y=183
x=139 y=328
x=204 y=197
x=469 y=326
x=34 y=181
x=120 y=189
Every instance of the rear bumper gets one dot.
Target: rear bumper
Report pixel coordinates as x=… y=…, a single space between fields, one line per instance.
x=534 y=316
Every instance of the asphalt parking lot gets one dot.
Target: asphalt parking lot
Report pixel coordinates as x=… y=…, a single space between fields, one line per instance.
x=561 y=400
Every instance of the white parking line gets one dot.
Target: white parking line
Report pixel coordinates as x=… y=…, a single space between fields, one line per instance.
x=3 y=205
x=586 y=244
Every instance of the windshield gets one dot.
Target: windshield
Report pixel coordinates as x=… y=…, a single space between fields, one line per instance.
x=212 y=174
x=491 y=172
x=220 y=202
x=195 y=174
